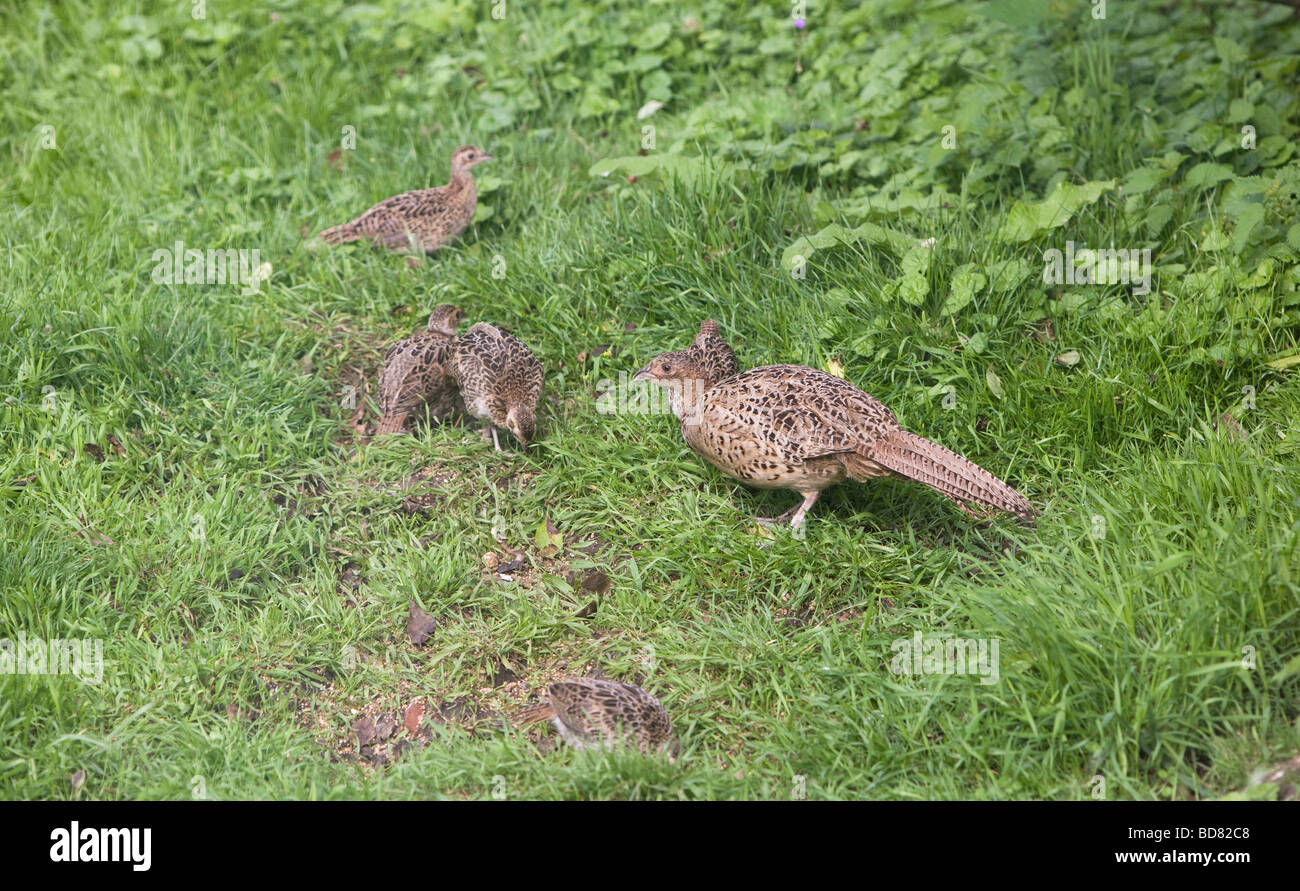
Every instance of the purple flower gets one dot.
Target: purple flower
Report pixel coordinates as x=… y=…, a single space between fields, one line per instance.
x=799 y=23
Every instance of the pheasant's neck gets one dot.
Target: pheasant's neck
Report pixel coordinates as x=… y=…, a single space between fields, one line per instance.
x=687 y=400
x=462 y=181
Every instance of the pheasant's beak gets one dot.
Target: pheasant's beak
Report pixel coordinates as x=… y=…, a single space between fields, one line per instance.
x=485 y=157
x=643 y=375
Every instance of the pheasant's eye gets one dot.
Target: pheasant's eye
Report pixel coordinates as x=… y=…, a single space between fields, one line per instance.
x=470 y=156
x=665 y=368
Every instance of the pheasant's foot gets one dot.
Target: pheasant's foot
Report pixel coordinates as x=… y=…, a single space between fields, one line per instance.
x=794 y=515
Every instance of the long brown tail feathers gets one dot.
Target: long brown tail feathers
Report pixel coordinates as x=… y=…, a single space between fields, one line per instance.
x=964 y=481
x=339 y=234
x=532 y=714
x=391 y=424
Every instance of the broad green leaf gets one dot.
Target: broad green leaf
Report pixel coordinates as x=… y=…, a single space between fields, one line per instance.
x=965 y=285
x=1143 y=179
x=835 y=235
x=1027 y=219
x=1016 y=13
x=653 y=36
x=1229 y=50
x=913 y=288
x=1006 y=275
x=1206 y=175
x=687 y=169
x=1240 y=111
x=1157 y=218
x=1215 y=240
x=1250 y=217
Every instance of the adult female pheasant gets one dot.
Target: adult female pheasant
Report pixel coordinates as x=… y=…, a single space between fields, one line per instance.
x=425 y=219
x=793 y=427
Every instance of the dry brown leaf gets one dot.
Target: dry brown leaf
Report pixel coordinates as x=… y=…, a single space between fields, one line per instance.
x=419 y=624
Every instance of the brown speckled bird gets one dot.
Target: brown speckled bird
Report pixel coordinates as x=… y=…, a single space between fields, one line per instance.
x=590 y=713
x=417 y=371
x=425 y=218
x=500 y=380
x=793 y=427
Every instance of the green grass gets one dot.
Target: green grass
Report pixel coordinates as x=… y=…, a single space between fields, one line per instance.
x=248 y=563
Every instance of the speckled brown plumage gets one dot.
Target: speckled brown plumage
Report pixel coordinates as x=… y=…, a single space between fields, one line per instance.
x=590 y=713
x=793 y=427
x=417 y=371
x=500 y=380
x=425 y=218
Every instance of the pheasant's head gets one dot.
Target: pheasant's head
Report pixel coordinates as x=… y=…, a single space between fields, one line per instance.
x=445 y=319
x=688 y=373
x=520 y=422
x=465 y=157
x=713 y=352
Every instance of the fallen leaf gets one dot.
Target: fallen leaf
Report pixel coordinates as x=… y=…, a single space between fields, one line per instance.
x=502 y=674
x=94 y=536
x=93 y=451
x=77 y=780
x=385 y=728
x=1284 y=363
x=648 y=109
x=514 y=565
x=1069 y=358
x=365 y=731
x=419 y=625
x=596 y=581
x=994 y=382
x=414 y=715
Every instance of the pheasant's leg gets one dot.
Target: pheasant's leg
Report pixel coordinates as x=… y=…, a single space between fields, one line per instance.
x=794 y=514
x=777 y=521
x=495 y=441
x=808 y=501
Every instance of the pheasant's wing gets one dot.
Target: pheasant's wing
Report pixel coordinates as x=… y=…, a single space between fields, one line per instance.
x=390 y=219
x=408 y=373
x=802 y=412
x=578 y=707
x=398 y=238
x=478 y=355
x=399 y=363
x=523 y=370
